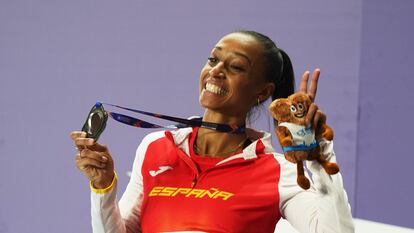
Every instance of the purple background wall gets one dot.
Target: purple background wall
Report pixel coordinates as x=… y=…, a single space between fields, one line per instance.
x=384 y=181
x=58 y=57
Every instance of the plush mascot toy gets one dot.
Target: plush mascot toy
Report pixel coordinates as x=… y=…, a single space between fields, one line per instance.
x=300 y=143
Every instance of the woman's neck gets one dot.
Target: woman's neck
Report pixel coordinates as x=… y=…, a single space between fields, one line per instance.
x=214 y=143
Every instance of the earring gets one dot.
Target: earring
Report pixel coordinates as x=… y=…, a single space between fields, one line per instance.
x=258 y=101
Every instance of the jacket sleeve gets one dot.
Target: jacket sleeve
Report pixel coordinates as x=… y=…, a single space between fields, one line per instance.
x=108 y=216
x=322 y=208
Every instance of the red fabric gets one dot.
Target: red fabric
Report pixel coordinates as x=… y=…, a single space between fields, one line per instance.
x=202 y=162
x=240 y=195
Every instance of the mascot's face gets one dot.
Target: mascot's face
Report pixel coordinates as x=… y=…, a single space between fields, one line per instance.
x=292 y=109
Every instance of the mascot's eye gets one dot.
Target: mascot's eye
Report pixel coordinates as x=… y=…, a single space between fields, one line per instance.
x=292 y=108
x=300 y=106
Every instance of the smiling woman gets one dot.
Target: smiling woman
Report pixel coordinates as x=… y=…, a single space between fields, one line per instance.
x=202 y=180
x=235 y=68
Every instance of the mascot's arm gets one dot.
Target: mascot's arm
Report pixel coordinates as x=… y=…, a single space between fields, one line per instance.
x=326 y=132
x=284 y=136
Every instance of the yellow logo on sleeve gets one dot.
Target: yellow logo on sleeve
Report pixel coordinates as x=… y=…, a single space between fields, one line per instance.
x=211 y=193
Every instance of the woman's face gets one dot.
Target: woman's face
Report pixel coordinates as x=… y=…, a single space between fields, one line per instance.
x=233 y=77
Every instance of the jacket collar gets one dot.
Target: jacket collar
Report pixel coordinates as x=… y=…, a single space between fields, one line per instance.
x=261 y=143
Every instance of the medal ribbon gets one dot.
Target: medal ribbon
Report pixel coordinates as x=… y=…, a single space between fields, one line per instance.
x=234 y=129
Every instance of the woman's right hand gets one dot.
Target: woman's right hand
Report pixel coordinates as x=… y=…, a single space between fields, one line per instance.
x=93 y=160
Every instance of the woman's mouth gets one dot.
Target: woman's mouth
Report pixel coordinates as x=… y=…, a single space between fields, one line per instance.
x=215 y=89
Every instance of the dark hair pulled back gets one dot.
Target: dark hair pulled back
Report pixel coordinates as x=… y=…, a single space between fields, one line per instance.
x=278 y=67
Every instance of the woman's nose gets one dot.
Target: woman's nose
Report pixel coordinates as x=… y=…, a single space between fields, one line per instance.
x=217 y=70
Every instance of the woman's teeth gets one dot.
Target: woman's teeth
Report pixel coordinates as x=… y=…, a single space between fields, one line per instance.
x=215 y=89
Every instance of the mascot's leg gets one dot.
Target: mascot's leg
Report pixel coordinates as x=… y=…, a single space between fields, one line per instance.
x=330 y=168
x=302 y=181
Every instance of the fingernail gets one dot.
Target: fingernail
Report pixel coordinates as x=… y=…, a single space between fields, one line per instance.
x=104 y=158
x=90 y=141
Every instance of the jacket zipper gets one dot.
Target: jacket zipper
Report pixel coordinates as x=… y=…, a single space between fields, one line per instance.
x=194 y=183
x=201 y=175
x=198 y=176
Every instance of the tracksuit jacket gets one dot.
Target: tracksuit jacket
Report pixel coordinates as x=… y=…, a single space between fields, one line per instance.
x=247 y=192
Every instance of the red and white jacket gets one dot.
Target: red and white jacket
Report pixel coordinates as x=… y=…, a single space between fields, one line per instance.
x=247 y=192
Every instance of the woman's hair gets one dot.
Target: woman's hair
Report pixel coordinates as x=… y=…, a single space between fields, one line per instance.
x=278 y=68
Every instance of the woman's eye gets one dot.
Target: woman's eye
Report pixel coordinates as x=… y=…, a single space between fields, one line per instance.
x=292 y=108
x=212 y=61
x=237 y=68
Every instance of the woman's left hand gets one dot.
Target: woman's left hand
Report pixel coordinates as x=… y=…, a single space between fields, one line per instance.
x=314 y=117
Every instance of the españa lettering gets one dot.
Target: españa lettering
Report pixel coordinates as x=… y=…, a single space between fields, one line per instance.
x=212 y=193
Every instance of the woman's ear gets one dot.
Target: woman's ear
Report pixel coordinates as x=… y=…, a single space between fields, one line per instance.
x=266 y=91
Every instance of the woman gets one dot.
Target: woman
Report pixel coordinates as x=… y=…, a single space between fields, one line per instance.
x=197 y=179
